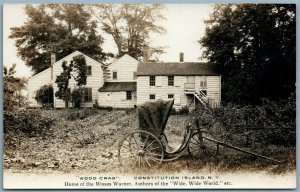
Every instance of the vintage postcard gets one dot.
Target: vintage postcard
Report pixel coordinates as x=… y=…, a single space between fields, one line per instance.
x=149 y=96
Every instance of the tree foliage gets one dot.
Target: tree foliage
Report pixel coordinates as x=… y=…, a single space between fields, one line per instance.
x=12 y=89
x=254 y=47
x=58 y=28
x=130 y=26
x=77 y=70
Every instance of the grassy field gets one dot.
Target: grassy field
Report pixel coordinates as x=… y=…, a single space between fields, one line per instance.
x=87 y=142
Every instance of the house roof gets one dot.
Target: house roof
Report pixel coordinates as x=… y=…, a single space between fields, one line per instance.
x=118 y=86
x=65 y=58
x=176 y=68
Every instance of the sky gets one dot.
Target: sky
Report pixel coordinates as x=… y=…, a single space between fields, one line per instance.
x=184 y=25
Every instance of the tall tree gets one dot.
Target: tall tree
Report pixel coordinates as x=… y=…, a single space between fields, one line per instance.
x=254 y=47
x=12 y=89
x=130 y=26
x=77 y=70
x=59 y=28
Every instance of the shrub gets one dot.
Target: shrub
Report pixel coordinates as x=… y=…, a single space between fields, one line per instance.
x=77 y=97
x=30 y=122
x=272 y=123
x=44 y=96
x=182 y=111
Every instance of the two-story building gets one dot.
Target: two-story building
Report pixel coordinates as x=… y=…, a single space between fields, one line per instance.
x=112 y=85
x=119 y=90
x=47 y=77
x=185 y=82
x=126 y=82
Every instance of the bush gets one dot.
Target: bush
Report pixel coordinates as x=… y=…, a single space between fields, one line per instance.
x=182 y=111
x=44 y=96
x=30 y=122
x=77 y=97
x=272 y=123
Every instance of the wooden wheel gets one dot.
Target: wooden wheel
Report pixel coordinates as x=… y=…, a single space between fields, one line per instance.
x=200 y=146
x=140 y=150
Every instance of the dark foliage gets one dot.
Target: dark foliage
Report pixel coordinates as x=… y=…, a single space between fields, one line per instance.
x=45 y=95
x=254 y=47
x=77 y=97
x=78 y=66
x=272 y=123
x=30 y=122
x=58 y=28
x=12 y=88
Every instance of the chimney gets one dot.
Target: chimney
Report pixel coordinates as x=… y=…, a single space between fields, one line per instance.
x=53 y=60
x=145 y=53
x=181 y=57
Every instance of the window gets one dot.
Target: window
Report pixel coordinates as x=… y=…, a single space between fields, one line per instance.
x=152 y=80
x=203 y=82
x=170 y=80
x=115 y=75
x=170 y=96
x=88 y=70
x=134 y=75
x=152 y=97
x=128 y=95
x=88 y=95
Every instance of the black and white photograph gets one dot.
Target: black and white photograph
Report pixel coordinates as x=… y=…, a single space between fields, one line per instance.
x=149 y=96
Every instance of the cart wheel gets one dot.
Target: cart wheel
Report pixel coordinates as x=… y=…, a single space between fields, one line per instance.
x=141 y=150
x=200 y=147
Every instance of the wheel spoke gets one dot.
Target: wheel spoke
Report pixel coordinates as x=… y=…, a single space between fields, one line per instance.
x=153 y=159
x=140 y=149
x=200 y=146
x=147 y=162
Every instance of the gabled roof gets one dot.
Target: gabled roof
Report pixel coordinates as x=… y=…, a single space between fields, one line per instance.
x=40 y=73
x=74 y=54
x=64 y=58
x=118 y=86
x=120 y=58
x=176 y=68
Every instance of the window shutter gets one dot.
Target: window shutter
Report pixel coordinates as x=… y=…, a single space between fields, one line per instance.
x=177 y=81
x=158 y=81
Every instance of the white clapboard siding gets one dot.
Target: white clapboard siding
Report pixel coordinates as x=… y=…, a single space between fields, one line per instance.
x=158 y=81
x=35 y=83
x=178 y=80
x=144 y=90
x=94 y=81
x=213 y=89
x=125 y=66
x=116 y=100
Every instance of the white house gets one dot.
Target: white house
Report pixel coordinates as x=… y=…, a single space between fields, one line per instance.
x=119 y=90
x=187 y=83
x=126 y=82
x=94 y=81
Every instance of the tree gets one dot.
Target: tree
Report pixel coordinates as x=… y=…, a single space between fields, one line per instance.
x=12 y=89
x=130 y=26
x=254 y=48
x=58 y=28
x=78 y=65
x=44 y=95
